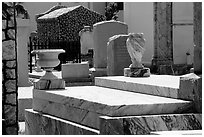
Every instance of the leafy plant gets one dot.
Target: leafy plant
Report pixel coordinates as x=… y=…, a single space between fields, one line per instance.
x=18 y=6
x=111 y=11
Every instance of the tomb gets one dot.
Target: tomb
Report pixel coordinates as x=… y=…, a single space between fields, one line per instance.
x=100 y=109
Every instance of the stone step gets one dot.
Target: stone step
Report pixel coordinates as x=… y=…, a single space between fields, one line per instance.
x=84 y=104
x=150 y=124
x=42 y=124
x=159 y=85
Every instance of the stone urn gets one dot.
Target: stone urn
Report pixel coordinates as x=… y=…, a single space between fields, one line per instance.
x=48 y=59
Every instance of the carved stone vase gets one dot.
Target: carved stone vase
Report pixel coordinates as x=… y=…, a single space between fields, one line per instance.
x=48 y=59
x=135 y=47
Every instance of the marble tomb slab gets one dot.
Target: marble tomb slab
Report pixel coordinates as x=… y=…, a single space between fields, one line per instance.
x=144 y=125
x=49 y=125
x=159 y=85
x=178 y=132
x=83 y=104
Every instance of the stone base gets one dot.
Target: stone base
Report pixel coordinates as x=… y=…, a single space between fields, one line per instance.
x=145 y=125
x=98 y=72
x=44 y=84
x=136 y=72
x=42 y=124
x=75 y=70
x=25 y=99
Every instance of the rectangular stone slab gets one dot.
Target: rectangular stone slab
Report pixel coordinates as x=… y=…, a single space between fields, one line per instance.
x=41 y=124
x=178 y=132
x=83 y=104
x=159 y=85
x=144 y=125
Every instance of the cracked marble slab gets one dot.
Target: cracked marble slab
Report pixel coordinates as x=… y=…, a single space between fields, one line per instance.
x=90 y=102
x=160 y=85
x=144 y=125
x=48 y=125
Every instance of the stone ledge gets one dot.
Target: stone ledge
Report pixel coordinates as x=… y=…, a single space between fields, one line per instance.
x=145 y=125
x=89 y=102
x=159 y=85
x=49 y=125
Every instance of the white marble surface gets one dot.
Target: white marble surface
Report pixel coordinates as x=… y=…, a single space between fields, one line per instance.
x=160 y=85
x=147 y=124
x=89 y=102
x=178 y=132
x=43 y=124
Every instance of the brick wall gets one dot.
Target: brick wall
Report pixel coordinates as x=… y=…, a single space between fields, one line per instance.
x=9 y=73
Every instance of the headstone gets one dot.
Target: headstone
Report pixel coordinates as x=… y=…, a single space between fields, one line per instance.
x=75 y=70
x=86 y=39
x=102 y=32
x=117 y=55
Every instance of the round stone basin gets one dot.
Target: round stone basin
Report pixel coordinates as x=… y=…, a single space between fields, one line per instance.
x=48 y=58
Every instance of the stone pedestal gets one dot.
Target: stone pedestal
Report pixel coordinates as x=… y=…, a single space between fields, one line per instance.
x=136 y=72
x=49 y=84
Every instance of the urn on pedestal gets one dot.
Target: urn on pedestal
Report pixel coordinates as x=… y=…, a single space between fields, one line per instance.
x=48 y=59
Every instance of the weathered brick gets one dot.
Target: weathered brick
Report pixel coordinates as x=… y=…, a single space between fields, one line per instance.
x=3 y=35
x=11 y=33
x=11 y=98
x=8 y=50
x=13 y=130
x=10 y=23
x=10 y=114
x=10 y=73
x=4 y=24
x=11 y=64
x=10 y=86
